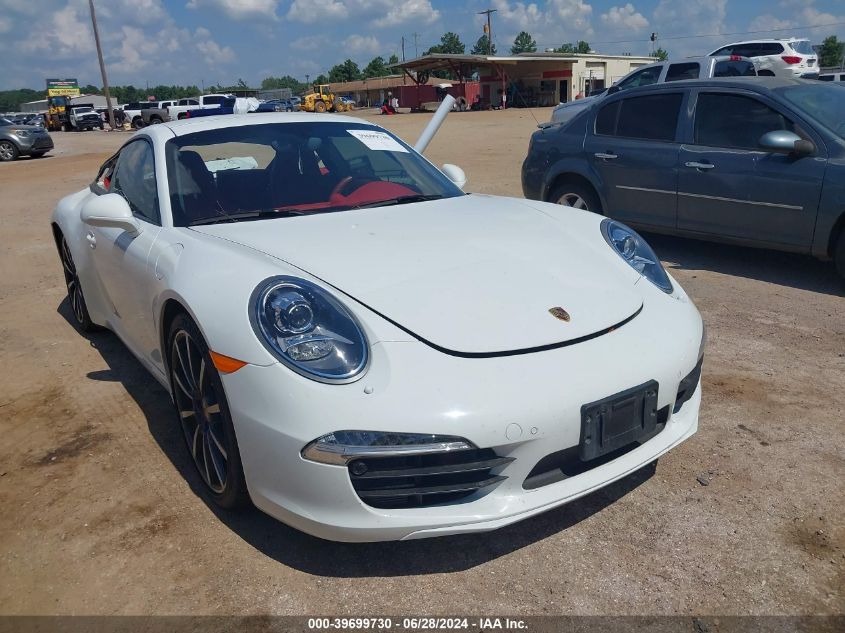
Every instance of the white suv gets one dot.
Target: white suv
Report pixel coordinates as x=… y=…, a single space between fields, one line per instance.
x=782 y=58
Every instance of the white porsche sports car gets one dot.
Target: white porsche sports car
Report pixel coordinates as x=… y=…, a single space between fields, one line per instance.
x=361 y=349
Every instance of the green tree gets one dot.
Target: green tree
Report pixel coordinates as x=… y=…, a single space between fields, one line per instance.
x=393 y=59
x=275 y=83
x=347 y=71
x=581 y=47
x=450 y=44
x=376 y=68
x=480 y=47
x=661 y=54
x=321 y=79
x=832 y=51
x=524 y=43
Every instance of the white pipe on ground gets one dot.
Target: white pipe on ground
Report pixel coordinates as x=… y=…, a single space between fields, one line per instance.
x=435 y=123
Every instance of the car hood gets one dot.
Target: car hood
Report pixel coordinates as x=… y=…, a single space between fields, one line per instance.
x=469 y=275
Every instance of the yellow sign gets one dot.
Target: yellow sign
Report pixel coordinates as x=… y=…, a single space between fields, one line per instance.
x=63 y=92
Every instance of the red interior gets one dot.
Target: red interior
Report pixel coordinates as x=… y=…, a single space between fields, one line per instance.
x=369 y=192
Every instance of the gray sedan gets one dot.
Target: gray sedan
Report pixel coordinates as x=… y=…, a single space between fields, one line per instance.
x=23 y=140
x=757 y=161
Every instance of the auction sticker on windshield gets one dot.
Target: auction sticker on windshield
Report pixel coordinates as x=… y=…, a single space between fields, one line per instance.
x=376 y=140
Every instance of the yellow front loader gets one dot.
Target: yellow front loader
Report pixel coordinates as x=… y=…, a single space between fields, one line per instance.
x=321 y=100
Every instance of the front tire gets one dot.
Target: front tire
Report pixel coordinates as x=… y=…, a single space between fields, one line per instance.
x=576 y=196
x=74 y=290
x=203 y=413
x=320 y=107
x=8 y=151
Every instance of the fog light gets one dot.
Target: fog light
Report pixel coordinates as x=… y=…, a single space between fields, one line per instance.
x=341 y=447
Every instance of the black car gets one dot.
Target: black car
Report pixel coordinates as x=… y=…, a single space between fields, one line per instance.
x=757 y=161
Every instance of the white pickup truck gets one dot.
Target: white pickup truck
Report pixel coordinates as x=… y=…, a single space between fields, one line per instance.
x=133 y=110
x=204 y=101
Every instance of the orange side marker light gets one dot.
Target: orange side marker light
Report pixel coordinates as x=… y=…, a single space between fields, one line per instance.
x=226 y=364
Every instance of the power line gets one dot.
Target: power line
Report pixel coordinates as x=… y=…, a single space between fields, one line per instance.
x=687 y=37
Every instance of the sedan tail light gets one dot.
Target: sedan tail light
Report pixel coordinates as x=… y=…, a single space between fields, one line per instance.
x=791 y=59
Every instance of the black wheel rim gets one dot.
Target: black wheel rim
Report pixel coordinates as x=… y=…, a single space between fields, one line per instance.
x=199 y=411
x=74 y=289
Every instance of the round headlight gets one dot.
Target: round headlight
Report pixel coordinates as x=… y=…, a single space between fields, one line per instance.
x=631 y=247
x=308 y=330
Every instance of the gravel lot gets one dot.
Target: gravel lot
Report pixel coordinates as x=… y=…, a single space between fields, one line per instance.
x=101 y=515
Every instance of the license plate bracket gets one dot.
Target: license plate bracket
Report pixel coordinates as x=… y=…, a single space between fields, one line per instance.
x=618 y=420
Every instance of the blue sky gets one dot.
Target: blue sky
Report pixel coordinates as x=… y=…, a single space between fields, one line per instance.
x=220 y=41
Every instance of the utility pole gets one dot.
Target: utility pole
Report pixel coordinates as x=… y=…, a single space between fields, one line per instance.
x=489 y=29
x=307 y=76
x=102 y=64
x=416 y=52
x=403 y=48
x=653 y=39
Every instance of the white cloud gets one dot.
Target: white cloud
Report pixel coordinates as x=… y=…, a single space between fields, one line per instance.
x=625 y=18
x=417 y=12
x=551 y=24
x=310 y=11
x=310 y=43
x=65 y=33
x=239 y=9
x=357 y=44
x=694 y=16
x=574 y=12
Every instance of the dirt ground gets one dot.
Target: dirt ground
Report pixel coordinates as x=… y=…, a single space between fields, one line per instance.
x=100 y=513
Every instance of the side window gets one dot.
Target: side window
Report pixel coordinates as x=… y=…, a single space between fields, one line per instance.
x=734 y=69
x=726 y=120
x=135 y=180
x=213 y=100
x=606 y=119
x=644 y=77
x=770 y=49
x=102 y=183
x=678 y=72
x=652 y=117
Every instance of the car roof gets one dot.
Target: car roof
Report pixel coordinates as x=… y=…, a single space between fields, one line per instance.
x=200 y=124
x=757 y=84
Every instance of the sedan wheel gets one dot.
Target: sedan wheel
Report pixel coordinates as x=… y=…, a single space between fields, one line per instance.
x=204 y=415
x=576 y=196
x=74 y=290
x=8 y=151
x=573 y=200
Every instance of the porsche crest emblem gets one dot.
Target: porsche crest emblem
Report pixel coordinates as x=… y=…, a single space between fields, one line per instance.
x=559 y=313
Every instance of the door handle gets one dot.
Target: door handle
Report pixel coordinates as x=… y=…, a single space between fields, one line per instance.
x=696 y=165
x=605 y=155
x=92 y=241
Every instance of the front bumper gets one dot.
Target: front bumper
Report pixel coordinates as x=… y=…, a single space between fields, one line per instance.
x=523 y=407
x=34 y=143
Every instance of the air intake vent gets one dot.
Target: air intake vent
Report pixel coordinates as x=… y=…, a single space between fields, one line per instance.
x=425 y=480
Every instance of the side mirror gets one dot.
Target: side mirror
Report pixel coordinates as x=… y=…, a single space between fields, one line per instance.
x=784 y=142
x=110 y=210
x=613 y=90
x=455 y=174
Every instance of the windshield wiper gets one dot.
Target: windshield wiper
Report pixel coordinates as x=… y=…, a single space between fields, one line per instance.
x=245 y=215
x=417 y=197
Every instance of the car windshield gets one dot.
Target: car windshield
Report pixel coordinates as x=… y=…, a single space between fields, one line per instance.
x=83 y=110
x=803 y=47
x=820 y=101
x=283 y=169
